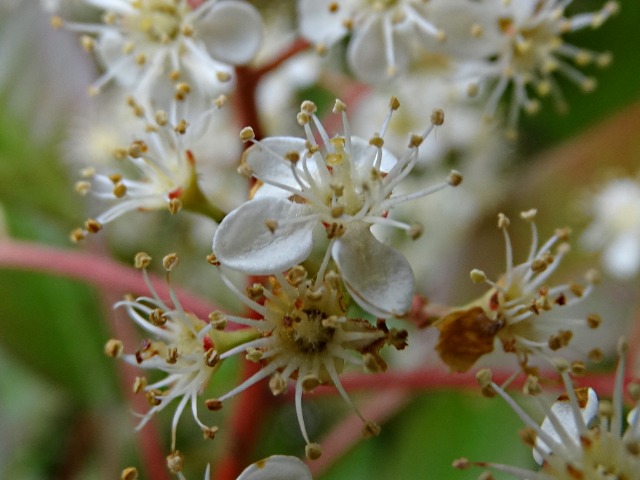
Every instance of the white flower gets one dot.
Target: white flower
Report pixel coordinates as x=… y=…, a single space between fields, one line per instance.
x=165 y=164
x=277 y=467
x=346 y=188
x=306 y=336
x=143 y=42
x=381 y=30
x=180 y=347
x=524 y=40
x=580 y=438
x=615 y=228
x=520 y=308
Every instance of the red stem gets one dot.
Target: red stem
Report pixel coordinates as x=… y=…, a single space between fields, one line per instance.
x=101 y=272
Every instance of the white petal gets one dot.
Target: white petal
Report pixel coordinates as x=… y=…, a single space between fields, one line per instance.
x=378 y=277
x=362 y=151
x=277 y=467
x=457 y=18
x=622 y=256
x=268 y=164
x=633 y=429
x=318 y=24
x=244 y=243
x=232 y=31
x=366 y=53
x=562 y=410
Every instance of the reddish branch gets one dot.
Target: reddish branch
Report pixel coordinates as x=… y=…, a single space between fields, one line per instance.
x=101 y=272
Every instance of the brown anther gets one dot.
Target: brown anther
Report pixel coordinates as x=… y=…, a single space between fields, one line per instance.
x=212 y=259
x=308 y=106
x=338 y=107
x=576 y=289
x=211 y=357
x=528 y=436
x=139 y=384
x=271 y=225
x=592 y=277
x=157 y=317
x=372 y=363
x=92 y=226
x=137 y=149
x=209 y=433
x=633 y=447
x=563 y=234
x=560 y=339
x=303 y=118
x=394 y=103
x=370 y=429
x=292 y=157
x=277 y=384
x=455 y=178
x=486 y=475
x=253 y=355
x=181 y=127
x=376 y=141
x=247 y=134
x=334 y=7
x=605 y=409
x=416 y=231
x=220 y=101
x=113 y=348
x=141 y=260
x=296 y=275
x=129 y=473
x=255 y=291
x=634 y=390
x=175 y=462
x=596 y=355
x=218 y=320
x=172 y=355
x=153 y=397
x=594 y=320
x=398 y=338
x=415 y=141
x=171 y=261
x=578 y=368
x=213 y=404
x=437 y=116
x=77 y=235
x=83 y=187
x=539 y=265
x=313 y=451
x=119 y=190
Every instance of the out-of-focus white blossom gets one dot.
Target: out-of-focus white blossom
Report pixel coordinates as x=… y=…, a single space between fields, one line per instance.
x=615 y=229
x=520 y=309
x=520 y=44
x=580 y=437
x=382 y=31
x=152 y=45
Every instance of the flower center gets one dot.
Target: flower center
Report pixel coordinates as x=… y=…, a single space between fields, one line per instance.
x=159 y=20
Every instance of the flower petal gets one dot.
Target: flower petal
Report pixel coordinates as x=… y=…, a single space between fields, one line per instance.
x=562 y=410
x=268 y=164
x=362 y=152
x=378 y=277
x=277 y=467
x=321 y=25
x=366 y=53
x=244 y=242
x=232 y=31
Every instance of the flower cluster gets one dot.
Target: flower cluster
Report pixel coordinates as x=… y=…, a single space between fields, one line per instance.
x=317 y=221
x=519 y=309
